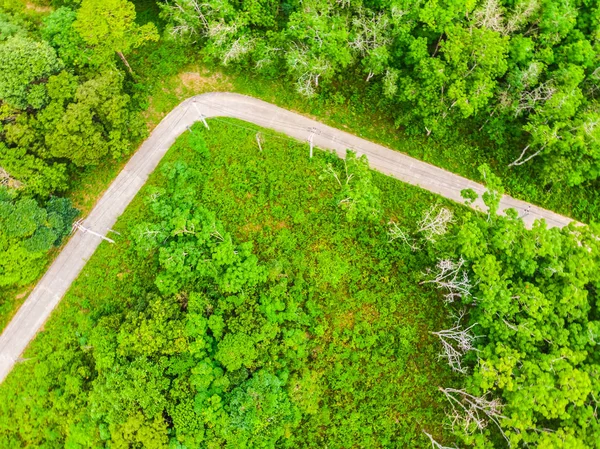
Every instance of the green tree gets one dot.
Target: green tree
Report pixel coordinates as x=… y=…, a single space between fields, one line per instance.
x=532 y=304
x=27 y=232
x=59 y=31
x=109 y=25
x=261 y=412
x=82 y=122
x=192 y=245
x=358 y=196
x=235 y=351
x=25 y=65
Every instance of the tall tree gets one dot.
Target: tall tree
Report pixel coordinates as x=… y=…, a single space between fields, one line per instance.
x=110 y=25
x=27 y=232
x=25 y=65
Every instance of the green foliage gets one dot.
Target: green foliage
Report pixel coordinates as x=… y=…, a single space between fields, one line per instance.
x=83 y=123
x=59 y=31
x=180 y=334
x=522 y=73
x=54 y=120
x=358 y=196
x=27 y=232
x=261 y=412
x=91 y=122
x=532 y=303
x=109 y=26
x=10 y=26
x=25 y=65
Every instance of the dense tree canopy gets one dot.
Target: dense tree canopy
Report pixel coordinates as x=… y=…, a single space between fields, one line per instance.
x=25 y=65
x=63 y=106
x=257 y=302
x=523 y=72
x=27 y=232
x=532 y=319
x=109 y=26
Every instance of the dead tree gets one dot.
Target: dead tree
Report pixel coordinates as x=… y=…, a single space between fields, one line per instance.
x=370 y=34
x=452 y=277
x=435 y=444
x=309 y=66
x=530 y=99
x=471 y=412
x=520 y=161
x=435 y=222
x=547 y=138
x=395 y=232
x=490 y=15
x=520 y=15
x=456 y=342
x=238 y=48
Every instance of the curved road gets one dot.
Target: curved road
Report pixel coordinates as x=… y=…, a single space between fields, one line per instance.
x=64 y=270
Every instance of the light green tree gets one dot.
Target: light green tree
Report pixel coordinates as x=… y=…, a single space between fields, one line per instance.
x=27 y=232
x=25 y=65
x=109 y=25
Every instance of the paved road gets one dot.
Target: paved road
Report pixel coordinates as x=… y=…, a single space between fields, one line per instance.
x=64 y=270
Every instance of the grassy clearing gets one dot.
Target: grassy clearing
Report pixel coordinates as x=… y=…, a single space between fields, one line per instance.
x=369 y=364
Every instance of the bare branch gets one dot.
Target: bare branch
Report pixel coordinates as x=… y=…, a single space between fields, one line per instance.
x=521 y=161
x=435 y=222
x=452 y=277
x=472 y=412
x=396 y=232
x=456 y=342
x=7 y=180
x=435 y=444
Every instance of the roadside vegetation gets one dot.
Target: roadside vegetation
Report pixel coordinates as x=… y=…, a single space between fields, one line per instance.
x=248 y=301
x=259 y=298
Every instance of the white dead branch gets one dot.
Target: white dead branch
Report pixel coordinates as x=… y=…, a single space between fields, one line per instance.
x=437 y=445
x=7 y=180
x=395 y=232
x=452 y=277
x=456 y=342
x=435 y=222
x=472 y=413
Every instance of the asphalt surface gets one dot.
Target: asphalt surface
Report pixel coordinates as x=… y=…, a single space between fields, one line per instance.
x=34 y=312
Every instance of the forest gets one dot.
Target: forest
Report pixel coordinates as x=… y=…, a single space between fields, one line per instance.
x=259 y=298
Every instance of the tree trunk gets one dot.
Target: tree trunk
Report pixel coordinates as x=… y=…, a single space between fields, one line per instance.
x=122 y=56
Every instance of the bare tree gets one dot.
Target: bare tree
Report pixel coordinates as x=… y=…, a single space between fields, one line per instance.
x=545 y=137
x=370 y=33
x=239 y=48
x=221 y=32
x=451 y=276
x=456 y=342
x=530 y=99
x=435 y=444
x=397 y=233
x=471 y=412
x=490 y=15
x=435 y=222
x=520 y=161
x=191 y=17
x=522 y=11
x=308 y=67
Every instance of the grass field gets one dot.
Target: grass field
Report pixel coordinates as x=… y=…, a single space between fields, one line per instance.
x=365 y=359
